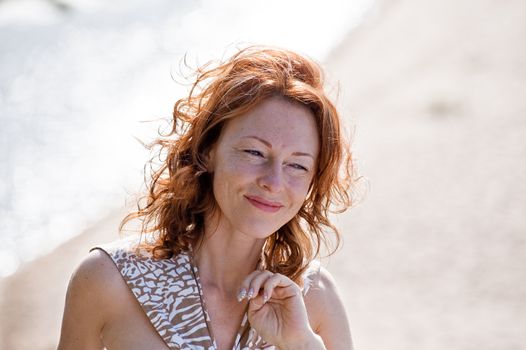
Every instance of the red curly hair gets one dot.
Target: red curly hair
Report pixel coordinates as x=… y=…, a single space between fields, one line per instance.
x=180 y=192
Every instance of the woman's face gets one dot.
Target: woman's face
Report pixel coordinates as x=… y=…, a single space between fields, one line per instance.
x=263 y=164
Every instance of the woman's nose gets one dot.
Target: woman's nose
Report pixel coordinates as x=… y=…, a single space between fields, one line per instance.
x=272 y=178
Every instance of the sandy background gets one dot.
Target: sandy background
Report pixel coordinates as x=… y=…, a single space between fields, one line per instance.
x=435 y=255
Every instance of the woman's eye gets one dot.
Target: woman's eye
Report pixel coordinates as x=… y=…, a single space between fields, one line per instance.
x=253 y=152
x=298 y=166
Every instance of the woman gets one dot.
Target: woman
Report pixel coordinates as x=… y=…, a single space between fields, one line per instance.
x=233 y=219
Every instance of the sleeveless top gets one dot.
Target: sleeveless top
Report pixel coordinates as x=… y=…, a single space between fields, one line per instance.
x=169 y=292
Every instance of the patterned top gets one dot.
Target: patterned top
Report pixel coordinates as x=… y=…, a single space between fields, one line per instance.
x=169 y=292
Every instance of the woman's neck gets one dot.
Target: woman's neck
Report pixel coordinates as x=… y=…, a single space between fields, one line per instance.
x=225 y=257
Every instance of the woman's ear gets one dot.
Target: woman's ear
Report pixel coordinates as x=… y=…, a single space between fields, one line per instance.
x=209 y=158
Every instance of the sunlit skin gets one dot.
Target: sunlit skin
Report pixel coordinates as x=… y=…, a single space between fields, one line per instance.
x=262 y=164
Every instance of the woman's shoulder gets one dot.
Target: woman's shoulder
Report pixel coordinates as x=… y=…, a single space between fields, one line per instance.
x=326 y=309
x=122 y=247
x=319 y=289
x=318 y=280
x=318 y=283
x=92 y=294
x=96 y=294
x=96 y=275
x=100 y=276
x=136 y=263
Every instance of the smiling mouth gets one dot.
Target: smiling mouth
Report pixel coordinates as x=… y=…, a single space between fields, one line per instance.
x=269 y=207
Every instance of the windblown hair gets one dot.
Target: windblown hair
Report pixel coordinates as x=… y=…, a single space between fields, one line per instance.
x=180 y=193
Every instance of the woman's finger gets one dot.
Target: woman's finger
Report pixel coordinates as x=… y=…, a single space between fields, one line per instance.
x=252 y=284
x=257 y=283
x=277 y=280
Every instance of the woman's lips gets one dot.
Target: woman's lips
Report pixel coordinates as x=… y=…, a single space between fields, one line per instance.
x=260 y=203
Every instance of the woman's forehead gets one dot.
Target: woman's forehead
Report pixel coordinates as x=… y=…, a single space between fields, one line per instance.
x=278 y=122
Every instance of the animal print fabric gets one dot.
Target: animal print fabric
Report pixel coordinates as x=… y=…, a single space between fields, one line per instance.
x=169 y=292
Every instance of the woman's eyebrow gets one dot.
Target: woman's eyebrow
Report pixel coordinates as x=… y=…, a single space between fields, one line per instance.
x=269 y=145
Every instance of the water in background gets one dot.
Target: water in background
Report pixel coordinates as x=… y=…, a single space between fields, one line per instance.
x=77 y=78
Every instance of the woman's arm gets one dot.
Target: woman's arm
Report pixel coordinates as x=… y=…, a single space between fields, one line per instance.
x=86 y=302
x=326 y=310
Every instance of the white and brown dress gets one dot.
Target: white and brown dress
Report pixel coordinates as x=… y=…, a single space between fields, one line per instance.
x=170 y=293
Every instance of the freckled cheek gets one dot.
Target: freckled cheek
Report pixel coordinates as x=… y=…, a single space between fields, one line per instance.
x=243 y=167
x=236 y=172
x=299 y=188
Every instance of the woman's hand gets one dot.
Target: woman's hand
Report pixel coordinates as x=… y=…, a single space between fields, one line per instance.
x=277 y=311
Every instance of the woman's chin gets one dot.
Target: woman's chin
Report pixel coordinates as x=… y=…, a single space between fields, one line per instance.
x=259 y=233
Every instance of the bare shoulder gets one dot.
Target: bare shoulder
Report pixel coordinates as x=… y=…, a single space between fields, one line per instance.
x=327 y=312
x=91 y=298
x=97 y=278
x=323 y=294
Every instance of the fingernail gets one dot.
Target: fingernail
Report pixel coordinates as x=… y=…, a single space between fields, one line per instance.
x=265 y=298
x=242 y=294
x=250 y=293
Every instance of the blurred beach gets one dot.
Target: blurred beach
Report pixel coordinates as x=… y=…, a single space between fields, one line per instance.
x=84 y=83
x=434 y=252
